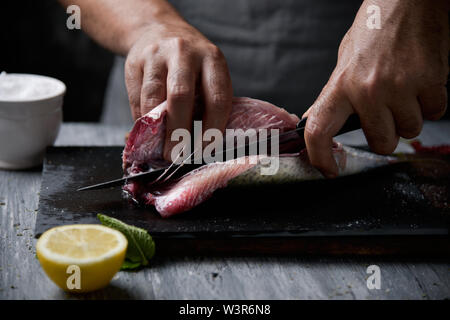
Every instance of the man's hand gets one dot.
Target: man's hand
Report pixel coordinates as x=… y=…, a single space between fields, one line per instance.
x=174 y=61
x=393 y=78
x=167 y=59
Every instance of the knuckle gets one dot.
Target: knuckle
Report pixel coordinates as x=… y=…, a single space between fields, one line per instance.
x=340 y=80
x=344 y=43
x=370 y=88
x=152 y=85
x=153 y=90
x=180 y=91
x=133 y=99
x=399 y=81
x=151 y=102
x=214 y=52
x=220 y=100
x=152 y=97
x=180 y=44
x=313 y=133
x=150 y=49
x=131 y=61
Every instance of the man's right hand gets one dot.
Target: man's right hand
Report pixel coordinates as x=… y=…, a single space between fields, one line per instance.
x=173 y=61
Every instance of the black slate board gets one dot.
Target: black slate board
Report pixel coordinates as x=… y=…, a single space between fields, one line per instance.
x=387 y=210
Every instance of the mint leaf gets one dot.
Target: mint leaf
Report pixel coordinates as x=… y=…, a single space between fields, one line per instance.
x=141 y=247
x=128 y=265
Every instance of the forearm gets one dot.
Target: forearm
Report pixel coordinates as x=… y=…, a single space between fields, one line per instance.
x=117 y=24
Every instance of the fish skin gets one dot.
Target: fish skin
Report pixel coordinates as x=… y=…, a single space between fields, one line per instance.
x=197 y=186
x=296 y=167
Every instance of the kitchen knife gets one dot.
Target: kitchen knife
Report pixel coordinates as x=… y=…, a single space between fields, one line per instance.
x=286 y=139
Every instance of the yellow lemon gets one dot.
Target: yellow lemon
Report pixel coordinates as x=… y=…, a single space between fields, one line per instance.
x=83 y=257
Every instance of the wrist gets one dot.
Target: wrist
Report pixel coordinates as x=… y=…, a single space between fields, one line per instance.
x=154 y=21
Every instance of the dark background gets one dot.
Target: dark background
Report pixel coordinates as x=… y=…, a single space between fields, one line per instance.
x=34 y=39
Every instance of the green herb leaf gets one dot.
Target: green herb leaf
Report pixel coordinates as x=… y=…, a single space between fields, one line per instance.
x=141 y=246
x=128 y=265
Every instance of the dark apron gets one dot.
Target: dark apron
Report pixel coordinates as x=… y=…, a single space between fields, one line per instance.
x=280 y=51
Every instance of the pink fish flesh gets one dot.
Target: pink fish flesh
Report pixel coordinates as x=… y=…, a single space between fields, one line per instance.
x=144 y=149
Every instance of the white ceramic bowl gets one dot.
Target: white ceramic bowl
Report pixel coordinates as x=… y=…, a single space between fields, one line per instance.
x=30 y=118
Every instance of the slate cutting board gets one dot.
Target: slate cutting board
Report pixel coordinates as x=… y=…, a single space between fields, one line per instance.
x=400 y=209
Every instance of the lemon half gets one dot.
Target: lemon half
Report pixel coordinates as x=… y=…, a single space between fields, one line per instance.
x=81 y=258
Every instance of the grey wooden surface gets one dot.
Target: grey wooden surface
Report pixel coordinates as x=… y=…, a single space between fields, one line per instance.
x=294 y=277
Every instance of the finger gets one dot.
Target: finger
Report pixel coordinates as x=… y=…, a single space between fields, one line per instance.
x=153 y=90
x=325 y=118
x=433 y=102
x=408 y=118
x=180 y=99
x=217 y=93
x=133 y=82
x=378 y=125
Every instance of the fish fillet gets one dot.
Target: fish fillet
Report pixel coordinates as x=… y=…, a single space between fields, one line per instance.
x=145 y=146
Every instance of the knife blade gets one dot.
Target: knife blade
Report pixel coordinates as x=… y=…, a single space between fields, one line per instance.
x=287 y=140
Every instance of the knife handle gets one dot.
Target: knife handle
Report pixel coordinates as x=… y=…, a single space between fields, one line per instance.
x=351 y=124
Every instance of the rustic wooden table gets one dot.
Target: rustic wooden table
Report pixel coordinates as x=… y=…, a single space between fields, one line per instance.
x=295 y=277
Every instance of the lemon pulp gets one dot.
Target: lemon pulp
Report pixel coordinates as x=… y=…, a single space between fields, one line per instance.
x=96 y=251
